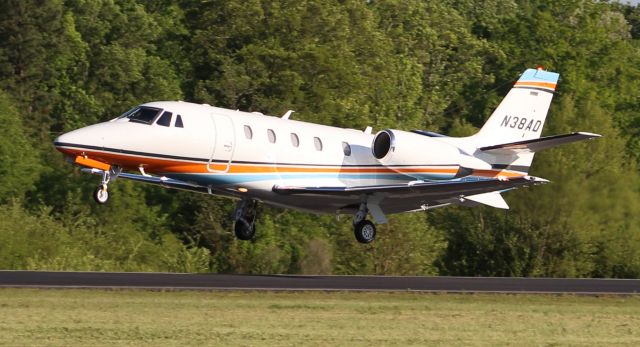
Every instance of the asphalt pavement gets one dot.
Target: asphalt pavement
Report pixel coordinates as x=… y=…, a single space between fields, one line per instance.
x=173 y=281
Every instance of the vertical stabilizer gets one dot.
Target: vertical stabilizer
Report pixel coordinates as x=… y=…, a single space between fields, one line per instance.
x=519 y=117
x=521 y=114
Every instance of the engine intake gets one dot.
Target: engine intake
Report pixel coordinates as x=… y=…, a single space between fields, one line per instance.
x=382 y=144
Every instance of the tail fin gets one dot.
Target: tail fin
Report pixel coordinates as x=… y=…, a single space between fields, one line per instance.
x=519 y=117
x=521 y=114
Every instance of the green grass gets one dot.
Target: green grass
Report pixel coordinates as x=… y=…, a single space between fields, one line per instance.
x=97 y=317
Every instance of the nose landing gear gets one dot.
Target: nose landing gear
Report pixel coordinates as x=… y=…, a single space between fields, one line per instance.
x=245 y=219
x=101 y=194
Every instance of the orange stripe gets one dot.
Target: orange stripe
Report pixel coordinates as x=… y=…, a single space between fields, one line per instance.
x=537 y=84
x=496 y=173
x=167 y=165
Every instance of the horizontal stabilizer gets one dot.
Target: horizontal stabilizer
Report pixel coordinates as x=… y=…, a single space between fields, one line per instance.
x=493 y=199
x=534 y=145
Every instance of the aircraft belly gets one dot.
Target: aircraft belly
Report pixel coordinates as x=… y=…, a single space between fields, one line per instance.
x=348 y=204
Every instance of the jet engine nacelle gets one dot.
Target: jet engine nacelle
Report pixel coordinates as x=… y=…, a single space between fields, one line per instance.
x=395 y=147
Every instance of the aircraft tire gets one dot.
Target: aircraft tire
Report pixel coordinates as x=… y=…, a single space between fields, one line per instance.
x=100 y=195
x=365 y=231
x=243 y=230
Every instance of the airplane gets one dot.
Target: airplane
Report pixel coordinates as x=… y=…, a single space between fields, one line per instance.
x=282 y=162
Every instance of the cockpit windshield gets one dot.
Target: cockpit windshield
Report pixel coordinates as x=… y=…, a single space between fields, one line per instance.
x=143 y=114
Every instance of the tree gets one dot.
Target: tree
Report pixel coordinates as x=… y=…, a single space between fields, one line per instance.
x=18 y=161
x=561 y=229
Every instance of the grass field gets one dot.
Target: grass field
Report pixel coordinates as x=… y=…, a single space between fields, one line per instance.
x=97 y=317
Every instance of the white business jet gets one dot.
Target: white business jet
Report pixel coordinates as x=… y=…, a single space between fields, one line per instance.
x=316 y=168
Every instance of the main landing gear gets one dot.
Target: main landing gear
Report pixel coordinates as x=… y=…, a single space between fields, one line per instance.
x=364 y=230
x=245 y=219
x=101 y=194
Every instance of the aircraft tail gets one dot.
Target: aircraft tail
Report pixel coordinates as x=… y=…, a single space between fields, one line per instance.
x=520 y=117
x=521 y=114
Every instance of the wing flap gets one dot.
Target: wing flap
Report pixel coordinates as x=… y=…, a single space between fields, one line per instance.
x=534 y=145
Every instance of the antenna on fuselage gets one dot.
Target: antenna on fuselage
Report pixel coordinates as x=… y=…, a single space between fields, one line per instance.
x=286 y=115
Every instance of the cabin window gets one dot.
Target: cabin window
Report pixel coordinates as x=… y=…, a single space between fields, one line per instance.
x=165 y=119
x=144 y=115
x=346 y=149
x=318 y=143
x=271 y=135
x=248 y=133
x=179 y=122
x=295 y=141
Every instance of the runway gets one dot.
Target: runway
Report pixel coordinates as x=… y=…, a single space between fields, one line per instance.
x=172 y=281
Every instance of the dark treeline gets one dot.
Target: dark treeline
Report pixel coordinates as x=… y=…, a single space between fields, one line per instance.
x=436 y=65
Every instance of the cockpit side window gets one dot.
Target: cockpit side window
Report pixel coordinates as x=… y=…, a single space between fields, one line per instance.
x=128 y=113
x=165 y=119
x=179 y=122
x=144 y=115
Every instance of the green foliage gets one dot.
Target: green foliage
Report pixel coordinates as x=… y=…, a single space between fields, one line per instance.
x=40 y=242
x=566 y=228
x=18 y=162
x=441 y=66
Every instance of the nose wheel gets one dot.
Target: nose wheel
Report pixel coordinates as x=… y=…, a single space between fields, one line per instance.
x=101 y=195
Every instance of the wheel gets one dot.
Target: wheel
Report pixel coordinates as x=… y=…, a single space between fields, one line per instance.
x=243 y=230
x=365 y=231
x=101 y=195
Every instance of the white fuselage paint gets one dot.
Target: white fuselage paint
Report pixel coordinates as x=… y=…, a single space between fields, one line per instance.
x=305 y=166
x=213 y=149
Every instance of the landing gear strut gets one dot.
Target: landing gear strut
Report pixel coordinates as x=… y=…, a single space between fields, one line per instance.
x=245 y=219
x=364 y=230
x=101 y=194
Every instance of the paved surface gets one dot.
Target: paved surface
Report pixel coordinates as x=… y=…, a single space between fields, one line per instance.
x=170 y=281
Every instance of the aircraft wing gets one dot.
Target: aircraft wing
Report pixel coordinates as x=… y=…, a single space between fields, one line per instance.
x=439 y=189
x=539 y=144
x=412 y=196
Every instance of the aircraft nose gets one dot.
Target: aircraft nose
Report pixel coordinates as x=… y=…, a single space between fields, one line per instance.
x=79 y=140
x=60 y=140
x=65 y=140
x=64 y=144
